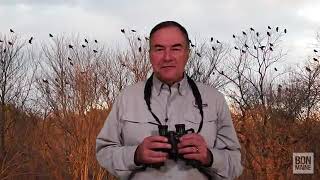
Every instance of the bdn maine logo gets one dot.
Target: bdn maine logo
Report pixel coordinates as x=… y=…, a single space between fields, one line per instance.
x=303 y=163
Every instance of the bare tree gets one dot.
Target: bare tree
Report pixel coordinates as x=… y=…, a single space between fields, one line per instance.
x=71 y=89
x=251 y=72
x=136 y=58
x=203 y=62
x=15 y=80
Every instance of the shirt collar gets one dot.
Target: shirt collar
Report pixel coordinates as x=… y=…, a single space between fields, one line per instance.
x=182 y=85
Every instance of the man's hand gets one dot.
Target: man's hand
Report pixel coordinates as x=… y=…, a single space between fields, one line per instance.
x=147 y=153
x=193 y=146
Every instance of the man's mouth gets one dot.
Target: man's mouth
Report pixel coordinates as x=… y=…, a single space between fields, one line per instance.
x=167 y=66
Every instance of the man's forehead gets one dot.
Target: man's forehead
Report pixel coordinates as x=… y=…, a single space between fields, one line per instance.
x=168 y=36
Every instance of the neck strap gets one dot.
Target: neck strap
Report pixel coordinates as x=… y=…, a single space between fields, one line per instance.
x=195 y=92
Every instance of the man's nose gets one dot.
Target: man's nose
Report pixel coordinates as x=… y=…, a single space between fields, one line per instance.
x=167 y=55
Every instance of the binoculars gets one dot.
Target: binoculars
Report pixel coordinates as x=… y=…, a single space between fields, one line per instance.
x=173 y=139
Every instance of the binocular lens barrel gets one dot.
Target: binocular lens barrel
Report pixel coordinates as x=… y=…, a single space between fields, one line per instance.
x=180 y=129
x=163 y=130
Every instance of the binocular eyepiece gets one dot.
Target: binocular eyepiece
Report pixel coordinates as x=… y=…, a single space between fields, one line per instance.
x=173 y=139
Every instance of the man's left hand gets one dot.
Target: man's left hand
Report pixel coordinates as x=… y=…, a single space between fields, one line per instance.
x=193 y=146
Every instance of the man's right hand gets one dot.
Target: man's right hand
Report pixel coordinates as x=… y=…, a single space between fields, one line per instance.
x=147 y=153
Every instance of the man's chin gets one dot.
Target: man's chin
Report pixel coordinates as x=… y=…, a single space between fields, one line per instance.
x=169 y=79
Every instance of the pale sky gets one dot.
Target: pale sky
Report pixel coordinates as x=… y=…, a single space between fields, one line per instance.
x=103 y=19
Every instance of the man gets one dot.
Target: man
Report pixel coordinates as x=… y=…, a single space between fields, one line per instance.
x=129 y=145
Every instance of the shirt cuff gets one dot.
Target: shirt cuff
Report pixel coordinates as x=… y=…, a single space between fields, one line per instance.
x=211 y=158
x=218 y=162
x=129 y=154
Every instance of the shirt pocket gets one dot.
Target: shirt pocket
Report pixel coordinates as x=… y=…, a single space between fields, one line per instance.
x=208 y=131
x=135 y=128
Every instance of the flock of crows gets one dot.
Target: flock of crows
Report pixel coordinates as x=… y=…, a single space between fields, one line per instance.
x=262 y=47
x=70 y=46
x=51 y=36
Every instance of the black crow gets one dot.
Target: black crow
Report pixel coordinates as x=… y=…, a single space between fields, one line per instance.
x=30 y=40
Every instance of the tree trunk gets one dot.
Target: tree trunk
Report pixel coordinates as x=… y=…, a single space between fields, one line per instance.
x=2 y=131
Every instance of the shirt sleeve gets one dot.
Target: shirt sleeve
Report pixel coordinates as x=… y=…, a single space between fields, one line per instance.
x=226 y=154
x=110 y=151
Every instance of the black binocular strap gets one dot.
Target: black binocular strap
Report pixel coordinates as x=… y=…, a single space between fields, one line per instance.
x=198 y=99
x=147 y=97
x=195 y=92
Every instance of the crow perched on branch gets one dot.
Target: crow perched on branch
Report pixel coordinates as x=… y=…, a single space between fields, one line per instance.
x=262 y=47
x=50 y=35
x=11 y=31
x=30 y=40
x=122 y=30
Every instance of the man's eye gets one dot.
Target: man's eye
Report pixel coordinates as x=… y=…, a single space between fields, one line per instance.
x=176 y=49
x=159 y=49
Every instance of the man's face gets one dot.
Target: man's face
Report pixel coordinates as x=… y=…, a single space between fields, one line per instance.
x=169 y=54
